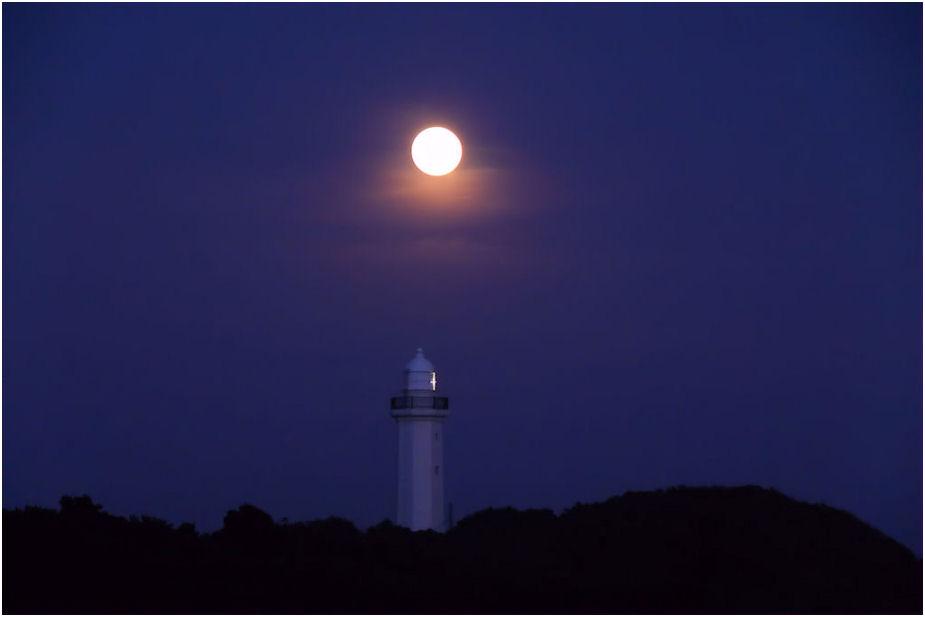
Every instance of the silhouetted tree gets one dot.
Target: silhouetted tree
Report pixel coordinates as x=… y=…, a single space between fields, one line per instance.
x=248 y=520
x=79 y=505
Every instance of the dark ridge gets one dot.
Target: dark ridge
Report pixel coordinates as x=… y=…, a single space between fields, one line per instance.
x=680 y=550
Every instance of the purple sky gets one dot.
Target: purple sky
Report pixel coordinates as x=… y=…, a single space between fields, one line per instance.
x=684 y=246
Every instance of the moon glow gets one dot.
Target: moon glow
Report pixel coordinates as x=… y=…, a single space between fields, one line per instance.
x=436 y=151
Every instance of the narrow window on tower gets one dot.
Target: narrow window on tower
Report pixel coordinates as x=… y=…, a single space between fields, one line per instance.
x=436 y=436
x=437 y=470
x=433 y=381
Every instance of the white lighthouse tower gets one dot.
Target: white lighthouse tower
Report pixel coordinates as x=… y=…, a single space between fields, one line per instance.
x=420 y=414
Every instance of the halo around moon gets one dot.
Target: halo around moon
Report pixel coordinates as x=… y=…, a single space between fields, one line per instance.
x=436 y=151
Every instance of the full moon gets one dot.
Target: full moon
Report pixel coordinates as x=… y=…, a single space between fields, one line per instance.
x=436 y=151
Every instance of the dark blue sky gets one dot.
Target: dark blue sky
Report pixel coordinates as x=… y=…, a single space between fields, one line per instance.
x=684 y=247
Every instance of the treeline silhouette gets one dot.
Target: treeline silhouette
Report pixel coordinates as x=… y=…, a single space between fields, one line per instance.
x=681 y=550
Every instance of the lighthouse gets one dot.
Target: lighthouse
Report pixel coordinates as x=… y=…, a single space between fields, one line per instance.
x=420 y=414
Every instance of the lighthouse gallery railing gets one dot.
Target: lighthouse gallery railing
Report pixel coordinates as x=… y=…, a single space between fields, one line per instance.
x=421 y=402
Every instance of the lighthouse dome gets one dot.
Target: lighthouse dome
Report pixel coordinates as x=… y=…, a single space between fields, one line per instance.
x=419 y=363
x=420 y=373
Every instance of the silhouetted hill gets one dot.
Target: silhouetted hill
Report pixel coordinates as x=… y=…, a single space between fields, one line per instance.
x=681 y=550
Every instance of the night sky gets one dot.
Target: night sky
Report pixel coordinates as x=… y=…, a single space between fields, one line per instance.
x=684 y=246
